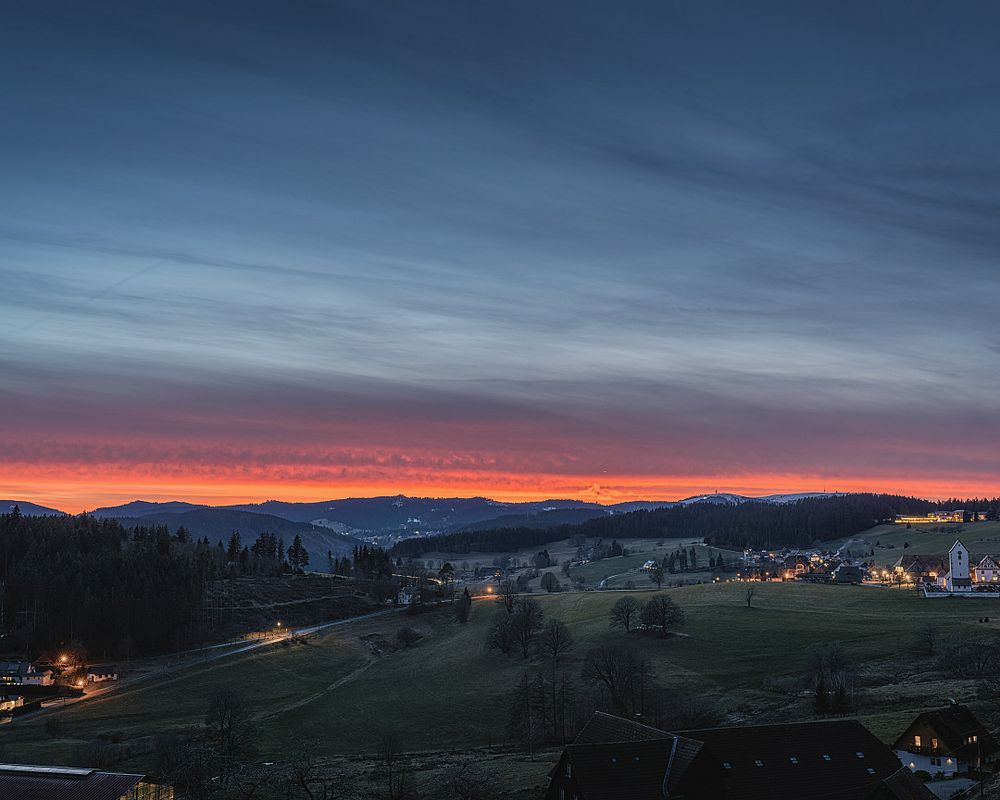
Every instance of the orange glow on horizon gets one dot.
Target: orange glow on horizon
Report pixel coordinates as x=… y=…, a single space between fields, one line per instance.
x=85 y=493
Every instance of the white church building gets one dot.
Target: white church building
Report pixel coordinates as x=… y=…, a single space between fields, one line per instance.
x=958 y=577
x=965 y=577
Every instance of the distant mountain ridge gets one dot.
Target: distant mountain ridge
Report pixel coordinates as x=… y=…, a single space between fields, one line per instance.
x=29 y=509
x=218 y=525
x=399 y=516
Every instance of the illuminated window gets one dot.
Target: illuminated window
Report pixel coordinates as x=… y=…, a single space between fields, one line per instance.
x=794 y=760
x=934 y=743
x=826 y=757
x=758 y=763
x=916 y=740
x=859 y=754
x=726 y=765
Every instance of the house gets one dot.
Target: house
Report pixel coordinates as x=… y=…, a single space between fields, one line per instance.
x=986 y=571
x=60 y=783
x=839 y=760
x=8 y=704
x=408 y=595
x=834 y=759
x=649 y=566
x=848 y=573
x=921 y=568
x=957 y=578
x=101 y=674
x=947 y=741
x=23 y=673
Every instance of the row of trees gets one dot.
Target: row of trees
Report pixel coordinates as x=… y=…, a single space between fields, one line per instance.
x=267 y=555
x=657 y=615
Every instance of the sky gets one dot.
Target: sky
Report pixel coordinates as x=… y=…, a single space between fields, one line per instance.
x=515 y=249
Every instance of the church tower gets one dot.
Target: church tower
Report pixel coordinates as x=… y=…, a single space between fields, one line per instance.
x=958 y=569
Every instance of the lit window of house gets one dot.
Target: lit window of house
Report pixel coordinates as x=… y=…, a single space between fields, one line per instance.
x=758 y=763
x=859 y=754
x=826 y=757
x=794 y=760
x=934 y=744
x=871 y=771
x=726 y=765
x=916 y=740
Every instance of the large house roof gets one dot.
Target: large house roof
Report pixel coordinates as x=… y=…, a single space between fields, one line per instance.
x=62 y=783
x=953 y=725
x=838 y=759
x=618 y=758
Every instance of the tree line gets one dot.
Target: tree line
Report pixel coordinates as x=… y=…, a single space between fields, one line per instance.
x=751 y=524
x=81 y=580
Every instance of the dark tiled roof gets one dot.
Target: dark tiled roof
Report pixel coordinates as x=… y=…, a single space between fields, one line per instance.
x=618 y=758
x=53 y=783
x=839 y=760
x=901 y=785
x=623 y=771
x=603 y=727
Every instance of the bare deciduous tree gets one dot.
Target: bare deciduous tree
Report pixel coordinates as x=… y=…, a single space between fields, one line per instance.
x=623 y=671
x=389 y=754
x=751 y=591
x=508 y=595
x=526 y=621
x=229 y=728
x=660 y=613
x=624 y=613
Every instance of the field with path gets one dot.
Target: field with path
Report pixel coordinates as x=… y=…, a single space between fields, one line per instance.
x=448 y=691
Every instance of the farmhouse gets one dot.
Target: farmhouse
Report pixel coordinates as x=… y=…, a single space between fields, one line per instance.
x=23 y=673
x=60 y=783
x=615 y=758
x=986 y=571
x=101 y=674
x=848 y=573
x=946 y=742
x=921 y=569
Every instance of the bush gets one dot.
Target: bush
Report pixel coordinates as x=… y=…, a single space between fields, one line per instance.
x=408 y=637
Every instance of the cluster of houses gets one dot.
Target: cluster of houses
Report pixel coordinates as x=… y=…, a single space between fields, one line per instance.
x=955 y=574
x=834 y=760
x=818 y=566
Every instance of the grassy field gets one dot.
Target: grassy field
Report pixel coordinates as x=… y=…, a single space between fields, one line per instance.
x=888 y=541
x=448 y=691
x=622 y=570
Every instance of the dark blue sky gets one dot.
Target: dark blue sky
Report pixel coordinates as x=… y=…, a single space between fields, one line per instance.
x=498 y=247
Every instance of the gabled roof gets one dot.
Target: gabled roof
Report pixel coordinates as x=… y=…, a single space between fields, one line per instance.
x=63 y=783
x=603 y=727
x=839 y=759
x=618 y=758
x=953 y=725
x=917 y=563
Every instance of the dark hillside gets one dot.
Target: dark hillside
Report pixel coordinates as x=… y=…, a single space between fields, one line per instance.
x=748 y=524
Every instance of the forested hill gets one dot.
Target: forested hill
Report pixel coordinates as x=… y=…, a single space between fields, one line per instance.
x=749 y=524
x=89 y=582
